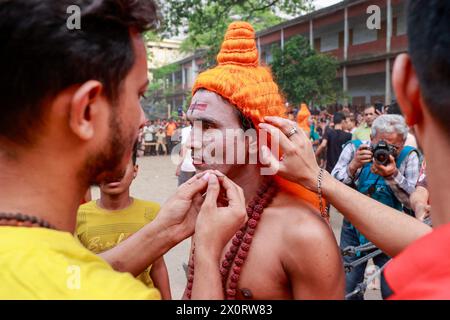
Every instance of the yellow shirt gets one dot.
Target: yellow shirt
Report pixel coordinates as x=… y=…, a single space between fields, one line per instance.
x=100 y=230
x=38 y=263
x=362 y=133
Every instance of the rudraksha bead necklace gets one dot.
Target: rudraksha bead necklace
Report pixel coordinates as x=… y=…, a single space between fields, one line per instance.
x=22 y=220
x=231 y=265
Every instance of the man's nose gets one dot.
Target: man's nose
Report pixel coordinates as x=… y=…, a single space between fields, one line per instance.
x=142 y=118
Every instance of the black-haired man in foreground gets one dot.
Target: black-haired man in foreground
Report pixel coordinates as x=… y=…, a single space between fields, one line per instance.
x=70 y=115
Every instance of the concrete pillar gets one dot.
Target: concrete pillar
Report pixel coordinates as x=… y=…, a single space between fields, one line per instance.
x=389 y=26
x=193 y=71
x=344 y=79
x=388 y=93
x=183 y=77
x=282 y=39
x=173 y=79
x=345 y=84
x=173 y=107
x=346 y=34
x=311 y=34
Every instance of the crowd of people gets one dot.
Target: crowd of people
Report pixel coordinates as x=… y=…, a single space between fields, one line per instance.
x=71 y=118
x=158 y=137
x=371 y=149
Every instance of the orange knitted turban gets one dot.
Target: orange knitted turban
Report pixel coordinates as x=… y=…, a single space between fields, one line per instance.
x=240 y=79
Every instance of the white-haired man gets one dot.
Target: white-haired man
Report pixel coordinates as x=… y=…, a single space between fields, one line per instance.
x=385 y=170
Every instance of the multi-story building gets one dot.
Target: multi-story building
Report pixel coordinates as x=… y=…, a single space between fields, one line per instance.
x=365 y=55
x=162 y=53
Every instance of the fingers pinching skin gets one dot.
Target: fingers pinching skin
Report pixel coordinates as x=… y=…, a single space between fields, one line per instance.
x=212 y=191
x=234 y=193
x=227 y=183
x=197 y=200
x=192 y=186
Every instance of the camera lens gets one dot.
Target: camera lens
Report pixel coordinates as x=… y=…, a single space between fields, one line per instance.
x=381 y=156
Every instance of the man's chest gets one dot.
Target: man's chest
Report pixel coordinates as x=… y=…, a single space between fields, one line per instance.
x=261 y=275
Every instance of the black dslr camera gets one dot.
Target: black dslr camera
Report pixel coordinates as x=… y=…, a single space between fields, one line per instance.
x=381 y=152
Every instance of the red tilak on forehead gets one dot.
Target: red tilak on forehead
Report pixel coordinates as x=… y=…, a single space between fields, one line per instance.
x=198 y=106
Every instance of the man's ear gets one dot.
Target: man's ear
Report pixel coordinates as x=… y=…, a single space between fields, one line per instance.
x=407 y=89
x=82 y=108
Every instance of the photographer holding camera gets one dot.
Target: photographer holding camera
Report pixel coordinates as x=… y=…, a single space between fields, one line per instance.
x=383 y=169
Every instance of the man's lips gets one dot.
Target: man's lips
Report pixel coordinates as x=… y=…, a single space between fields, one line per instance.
x=113 y=184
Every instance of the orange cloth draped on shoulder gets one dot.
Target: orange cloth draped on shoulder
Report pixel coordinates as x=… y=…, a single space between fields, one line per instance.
x=303 y=118
x=241 y=80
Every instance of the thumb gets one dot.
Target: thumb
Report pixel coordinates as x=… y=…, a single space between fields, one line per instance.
x=391 y=158
x=267 y=158
x=270 y=163
x=213 y=190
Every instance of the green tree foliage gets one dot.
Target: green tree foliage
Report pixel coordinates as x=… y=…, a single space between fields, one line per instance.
x=151 y=36
x=162 y=72
x=305 y=75
x=155 y=103
x=207 y=20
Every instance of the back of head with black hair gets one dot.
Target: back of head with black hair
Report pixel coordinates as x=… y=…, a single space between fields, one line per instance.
x=394 y=108
x=429 y=48
x=338 y=118
x=40 y=55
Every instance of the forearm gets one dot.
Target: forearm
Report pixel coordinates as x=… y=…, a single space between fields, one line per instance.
x=141 y=249
x=420 y=196
x=207 y=282
x=402 y=187
x=345 y=170
x=343 y=173
x=160 y=278
x=319 y=150
x=351 y=170
x=387 y=228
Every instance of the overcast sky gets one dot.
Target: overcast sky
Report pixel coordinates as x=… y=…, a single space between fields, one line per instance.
x=325 y=3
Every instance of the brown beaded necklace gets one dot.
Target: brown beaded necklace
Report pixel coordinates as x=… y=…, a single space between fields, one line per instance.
x=22 y=220
x=234 y=260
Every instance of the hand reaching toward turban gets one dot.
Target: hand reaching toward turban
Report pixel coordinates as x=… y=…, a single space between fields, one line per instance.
x=298 y=162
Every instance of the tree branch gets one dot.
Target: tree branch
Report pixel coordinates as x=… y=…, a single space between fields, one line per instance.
x=262 y=8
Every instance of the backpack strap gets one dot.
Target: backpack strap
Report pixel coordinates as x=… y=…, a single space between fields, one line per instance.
x=356 y=143
x=404 y=154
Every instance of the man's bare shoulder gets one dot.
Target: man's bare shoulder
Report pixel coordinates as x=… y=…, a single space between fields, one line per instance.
x=296 y=214
x=299 y=223
x=309 y=253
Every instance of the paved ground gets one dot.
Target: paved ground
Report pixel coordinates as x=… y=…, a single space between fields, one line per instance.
x=156 y=181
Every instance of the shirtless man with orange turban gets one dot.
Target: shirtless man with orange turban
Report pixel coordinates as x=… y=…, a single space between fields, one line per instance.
x=286 y=249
